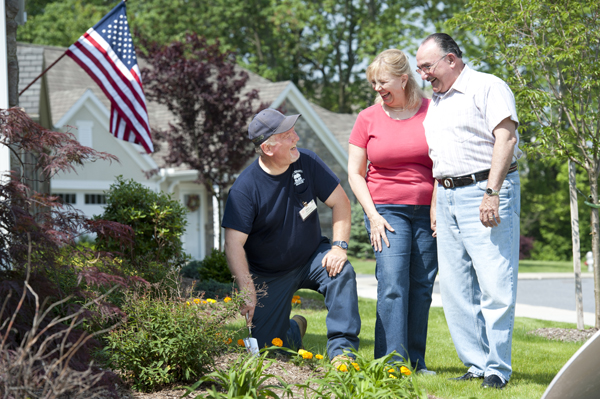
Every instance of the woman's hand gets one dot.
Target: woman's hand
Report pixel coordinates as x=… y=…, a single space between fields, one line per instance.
x=378 y=226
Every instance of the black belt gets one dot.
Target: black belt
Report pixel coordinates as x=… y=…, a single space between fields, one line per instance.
x=461 y=181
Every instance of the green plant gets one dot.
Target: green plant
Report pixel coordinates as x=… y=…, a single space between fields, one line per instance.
x=363 y=378
x=191 y=270
x=158 y=222
x=243 y=380
x=214 y=289
x=168 y=339
x=360 y=243
x=214 y=267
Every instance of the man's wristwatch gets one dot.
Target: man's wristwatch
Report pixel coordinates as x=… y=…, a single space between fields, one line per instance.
x=341 y=244
x=491 y=192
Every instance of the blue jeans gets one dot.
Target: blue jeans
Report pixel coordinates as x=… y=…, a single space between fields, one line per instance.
x=272 y=315
x=478 y=274
x=405 y=276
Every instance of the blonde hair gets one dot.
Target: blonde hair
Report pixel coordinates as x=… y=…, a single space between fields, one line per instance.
x=396 y=63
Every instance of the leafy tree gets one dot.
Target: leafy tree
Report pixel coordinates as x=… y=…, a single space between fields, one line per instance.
x=545 y=213
x=552 y=48
x=36 y=233
x=61 y=23
x=322 y=46
x=202 y=87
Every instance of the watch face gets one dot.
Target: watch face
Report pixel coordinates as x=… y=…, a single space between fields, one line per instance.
x=341 y=244
x=489 y=191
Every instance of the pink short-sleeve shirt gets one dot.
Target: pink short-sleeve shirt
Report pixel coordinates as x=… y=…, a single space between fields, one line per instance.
x=399 y=170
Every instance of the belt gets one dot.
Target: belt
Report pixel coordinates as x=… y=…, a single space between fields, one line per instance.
x=461 y=181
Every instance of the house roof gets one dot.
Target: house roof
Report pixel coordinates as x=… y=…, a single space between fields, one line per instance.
x=67 y=82
x=31 y=64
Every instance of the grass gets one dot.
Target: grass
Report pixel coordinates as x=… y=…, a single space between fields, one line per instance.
x=535 y=360
x=367 y=266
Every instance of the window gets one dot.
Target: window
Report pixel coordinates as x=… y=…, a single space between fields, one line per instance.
x=84 y=129
x=67 y=198
x=95 y=199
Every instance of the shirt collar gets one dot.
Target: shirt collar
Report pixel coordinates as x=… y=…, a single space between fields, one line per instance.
x=459 y=85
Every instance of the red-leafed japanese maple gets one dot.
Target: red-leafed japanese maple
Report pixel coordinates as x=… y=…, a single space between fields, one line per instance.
x=206 y=93
x=38 y=253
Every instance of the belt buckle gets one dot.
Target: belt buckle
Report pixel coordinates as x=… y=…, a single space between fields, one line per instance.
x=448 y=182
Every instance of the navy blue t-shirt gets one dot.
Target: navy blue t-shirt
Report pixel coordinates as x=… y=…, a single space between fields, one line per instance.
x=267 y=208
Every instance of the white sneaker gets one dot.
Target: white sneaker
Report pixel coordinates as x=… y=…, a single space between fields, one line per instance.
x=426 y=372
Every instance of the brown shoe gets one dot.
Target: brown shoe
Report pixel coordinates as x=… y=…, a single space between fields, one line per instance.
x=338 y=360
x=302 y=323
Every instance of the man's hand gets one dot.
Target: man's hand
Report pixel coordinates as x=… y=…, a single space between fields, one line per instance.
x=334 y=260
x=489 y=210
x=250 y=305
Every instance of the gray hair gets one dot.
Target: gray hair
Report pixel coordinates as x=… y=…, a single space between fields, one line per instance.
x=445 y=42
x=269 y=141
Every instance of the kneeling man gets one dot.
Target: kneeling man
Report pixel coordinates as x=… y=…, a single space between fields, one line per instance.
x=273 y=237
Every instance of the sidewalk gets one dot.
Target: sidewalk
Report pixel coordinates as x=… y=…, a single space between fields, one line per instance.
x=367 y=288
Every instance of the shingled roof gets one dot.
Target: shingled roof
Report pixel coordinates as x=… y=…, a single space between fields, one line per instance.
x=67 y=82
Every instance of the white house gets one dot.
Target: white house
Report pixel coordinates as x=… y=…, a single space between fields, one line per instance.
x=67 y=99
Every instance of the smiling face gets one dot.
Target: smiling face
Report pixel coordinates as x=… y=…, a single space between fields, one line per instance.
x=284 y=148
x=390 y=88
x=439 y=69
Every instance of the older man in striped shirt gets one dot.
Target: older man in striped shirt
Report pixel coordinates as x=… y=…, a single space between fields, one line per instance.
x=471 y=131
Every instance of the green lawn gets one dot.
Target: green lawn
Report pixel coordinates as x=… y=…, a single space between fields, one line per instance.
x=535 y=360
x=367 y=266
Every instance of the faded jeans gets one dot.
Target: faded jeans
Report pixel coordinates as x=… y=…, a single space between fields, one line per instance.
x=478 y=274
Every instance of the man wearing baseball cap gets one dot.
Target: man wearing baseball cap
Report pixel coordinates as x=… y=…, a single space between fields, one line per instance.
x=273 y=238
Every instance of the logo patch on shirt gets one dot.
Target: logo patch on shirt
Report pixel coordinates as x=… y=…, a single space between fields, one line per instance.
x=297 y=176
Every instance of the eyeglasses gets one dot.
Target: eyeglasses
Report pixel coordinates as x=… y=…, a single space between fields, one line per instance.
x=427 y=68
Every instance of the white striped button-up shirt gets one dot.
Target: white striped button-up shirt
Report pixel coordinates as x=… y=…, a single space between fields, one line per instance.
x=460 y=122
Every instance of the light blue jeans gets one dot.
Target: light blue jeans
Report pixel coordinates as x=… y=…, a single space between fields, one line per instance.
x=478 y=274
x=405 y=276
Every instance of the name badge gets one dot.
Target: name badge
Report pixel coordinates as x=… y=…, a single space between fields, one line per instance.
x=308 y=209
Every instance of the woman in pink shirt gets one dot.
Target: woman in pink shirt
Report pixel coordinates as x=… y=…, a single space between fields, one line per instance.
x=389 y=170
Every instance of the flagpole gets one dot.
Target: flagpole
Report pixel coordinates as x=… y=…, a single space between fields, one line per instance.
x=4 y=152
x=42 y=74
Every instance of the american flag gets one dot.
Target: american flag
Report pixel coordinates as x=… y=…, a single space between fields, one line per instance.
x=107 y=54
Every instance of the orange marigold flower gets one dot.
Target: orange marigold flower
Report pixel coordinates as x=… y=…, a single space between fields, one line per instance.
x=404 y=370
x=307 y=355
x=320 y=357
x=203 y=301
x=343 y=367
x=196 y=300
x=301 y=351
x=277 y=342
x=229 y=340
x=227 y=299
x=355 y=366
x=241 y=342
x=296 y=297
x=298 y=302
x=391 y=371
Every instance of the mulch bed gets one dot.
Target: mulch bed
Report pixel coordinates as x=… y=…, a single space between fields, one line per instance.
x=564 y=334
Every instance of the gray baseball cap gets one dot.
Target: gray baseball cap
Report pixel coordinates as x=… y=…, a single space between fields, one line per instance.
x=269 y=122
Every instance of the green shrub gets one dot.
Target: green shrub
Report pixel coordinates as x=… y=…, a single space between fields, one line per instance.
x=360 y=243
x=168 y=339
x=214 y=267
x=214 y=289
x=158 y=222
x=191 y=270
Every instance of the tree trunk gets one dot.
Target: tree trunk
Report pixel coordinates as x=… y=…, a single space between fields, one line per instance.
x=593 y=178
x=576 y=245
